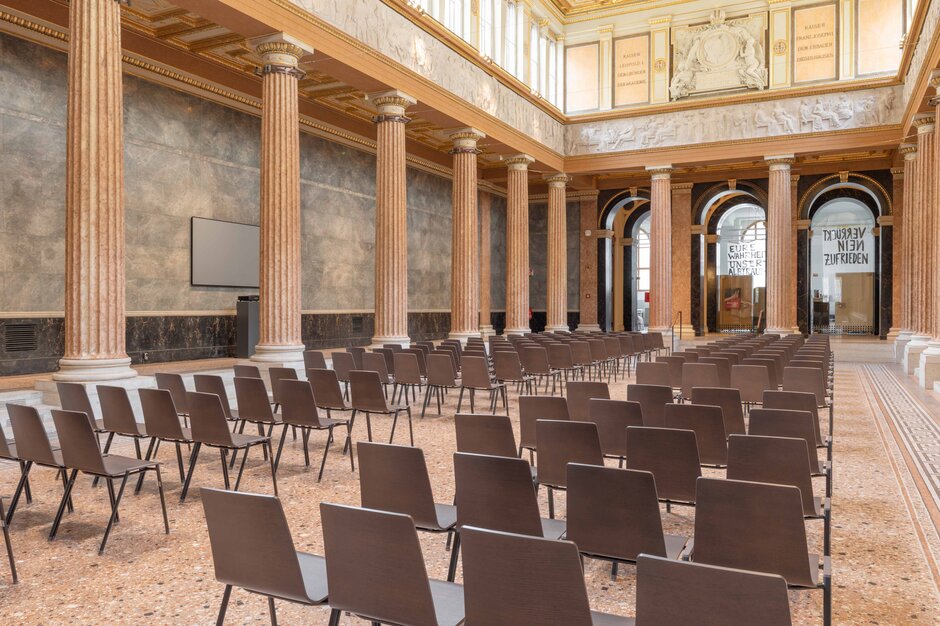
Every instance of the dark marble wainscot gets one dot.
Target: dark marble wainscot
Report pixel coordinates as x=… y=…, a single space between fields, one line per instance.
x=162 y=338
x=49 y=345
x=321 y=331
x=428 y=325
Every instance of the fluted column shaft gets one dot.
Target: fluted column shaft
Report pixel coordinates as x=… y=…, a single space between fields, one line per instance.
x=792 y=315
x=906 y=228
x=517 y=245
x=920 y=262
x=779 y=245
x=465 y=251
x=587 y=281
x=681 y=258
x=929 y=364
x=556 y=298
x=486 y=203
x=660 y=249
x=94 y=223
x=279 y=337
x=391 y=219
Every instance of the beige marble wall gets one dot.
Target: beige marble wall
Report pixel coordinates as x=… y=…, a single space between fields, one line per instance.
x=538 y=253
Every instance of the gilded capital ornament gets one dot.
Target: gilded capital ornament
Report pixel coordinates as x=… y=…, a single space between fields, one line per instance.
x=780 y=162
x=557 y=180
x=659 y=172
x=519 y=162
x=465 y=141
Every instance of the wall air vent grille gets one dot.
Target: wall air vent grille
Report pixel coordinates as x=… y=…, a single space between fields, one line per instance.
x=20 y=337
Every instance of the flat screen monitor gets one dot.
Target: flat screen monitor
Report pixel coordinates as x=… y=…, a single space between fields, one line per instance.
x=224 y=254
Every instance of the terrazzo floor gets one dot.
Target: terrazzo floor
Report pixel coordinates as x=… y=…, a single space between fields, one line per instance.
x=884 y=535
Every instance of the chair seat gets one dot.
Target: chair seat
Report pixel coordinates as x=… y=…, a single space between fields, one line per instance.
x=326 y=422
x=606 y=619
x=243 y=441
x=345 y=407
x=446 y=515
x=115 y=464
x=554 y=528
x=675 y=544
x=12 y=448
x=277 y=420
x=448 y=602
x=313 y=570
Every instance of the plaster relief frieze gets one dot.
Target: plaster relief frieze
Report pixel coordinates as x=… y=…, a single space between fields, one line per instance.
x=383 y=29
x=774 y=118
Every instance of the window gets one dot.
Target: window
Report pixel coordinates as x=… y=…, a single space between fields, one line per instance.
x=486 y=28
x=453 y=16
x=509 y=62
x=641 y=273
x=742 y=254
x=534 y=56
x=551 y=88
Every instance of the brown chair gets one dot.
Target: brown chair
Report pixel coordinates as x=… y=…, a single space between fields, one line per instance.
x=770 y=364
x=672 y=457
x=758 y=527
x=729 y=399
x=752 y=381
x=367 y=397
x=779 y=461
x=654 y=373
x=407 y=376
x=421 y=355
x=356 y=352
x=375 y=570
x=210 y=383
x=389 y=356
x=441 y=376
x=613 y=514
x=299 y=409
x=32 y=449
x=508 y=369
x=485 y=434
x=560 y=359
x=698 y=375
x=162 y=423
x=209 y=429
x=177 y=388
x=532 y=408
x=253 y=406
x=612 y=418
x=675 y=364
x=252 y=549
x=497 y=492
x=653 y=400
x=788 y=423
x=512 y=579
x=799 y=401
x=535 y=363
x=581 y=356
x=395 y=479
x=117 y=415
x=244 y=371
x=692 y=594
x=599 y=355
x=80 y=453
x=343 y=363
x=560 y=442
x=327 y=392
x=74 y=397
x=724 y=368
x=277 y=374
x=314 y=360
x=579 y=394
x=812 y=381
x=476 y=377
x=375 y=362
x=709 y=427
x=8 y=452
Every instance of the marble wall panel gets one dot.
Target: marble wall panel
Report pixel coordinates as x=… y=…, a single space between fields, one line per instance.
x=498 y=254
x=429 y=241
x=538 y=253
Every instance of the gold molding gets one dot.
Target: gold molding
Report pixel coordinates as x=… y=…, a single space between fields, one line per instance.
x=839 y=176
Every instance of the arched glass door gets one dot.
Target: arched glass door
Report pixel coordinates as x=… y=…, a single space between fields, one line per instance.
x=741 y=268
x=641 y=273
x=844 y=259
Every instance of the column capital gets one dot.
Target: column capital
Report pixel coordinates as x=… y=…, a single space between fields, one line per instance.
x=897 y=172
x=557 y=180
x=935 y=79
x=682 y=187
x=280 y=50
x=660 y=172
x=924 y=123
x=519 y=162
x=780 y=162
x=794 y=179
x=465 y=140
x=391 y=105
x=909 y=150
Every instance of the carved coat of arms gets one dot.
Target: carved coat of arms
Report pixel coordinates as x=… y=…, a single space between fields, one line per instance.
x=719 y=56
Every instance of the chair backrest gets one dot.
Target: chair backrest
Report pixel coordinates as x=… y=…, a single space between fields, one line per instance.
x=375 y=362
x=485 y=434
x=77 y=441
x=74 y=397
x=709 y=427
x=116 y=410
x=326 y=389
x=698 y=375
x=5 y=452
x=733 y=357
x=252 y=398
x=776 y=460
x=209 y=383
x=796 y=401
x=407 y=371
x=252 y=547
x=389 y=357
x=395 y=478
x=598 y=349
x=656 y=341
x=32 y=442
x=365 y=392
x=581 y=352
x=356 y=353
x=421 y=356
x=751 y=380
x=394 y=347
x=724 y=368
x=653 y=400
x=314 y=360
x=694 y=594
x=579 y=395
x=177 y=388
x=559 y=356
x=675 y=364
x=653 y=373
x=532 y=408
x=752 y=526
x=613 y=513
x=787 y=423
x=560 y=442
x=244 y=371
x=513 y=579
x=612 y=418
x=343 y=363
x=441 y=370
x=452 y=363
x=496 y=492
x=476 y=373
x=506 y=366
x=298 y=405
x=671 y=455
x=729 y=399
x=277 y=374
x=207 y=418
x=806 y=379
x=770 y=364
x=160 y=416
x=535 y=360
x=374 y=566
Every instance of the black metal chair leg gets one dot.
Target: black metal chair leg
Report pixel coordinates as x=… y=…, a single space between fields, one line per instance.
x=280 y=448
x=347 y=447
x=107 y=447
x=114 y=514
x=334 y=617
x=192 y=467
x=305 y=439
x=348 y=444
x=140 y=480
x=241 y=469
x=225 y=596
x=454 y=556
x=110 y=484
x=267 y=444
x=179 y=460
x=68 y=504
x=551 y=503
x=272 y=611
x=460 y=401
x=166 y=520
x=24 y=476
x=29 y=492
x=326 y=449
x=369 y=425
x=9 y=544
x=391 y=437
x=224 y=467
x=65 y=497
x=411 y=432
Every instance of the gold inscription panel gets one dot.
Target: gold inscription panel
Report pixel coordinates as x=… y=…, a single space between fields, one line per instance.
x=814 y=44
x=632 y=70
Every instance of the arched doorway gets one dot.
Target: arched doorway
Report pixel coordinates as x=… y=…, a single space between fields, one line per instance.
x=624 y=261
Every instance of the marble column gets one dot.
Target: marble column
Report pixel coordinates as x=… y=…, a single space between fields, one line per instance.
x=900 y=332
x=661 y=251
x=486 y=322
x=792 y=310
x=391 y=219
x=588 y=266
x=682 y=258
x=94 y=222
x=556 y=301
x=465 y=251
x=928 y=371
x=779 y=245
x=279 y=337
x=920 y=262
x=517 y=245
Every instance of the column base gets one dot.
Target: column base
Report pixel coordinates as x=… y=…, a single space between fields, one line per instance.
x=487 y=330
x=378 y=342
x=685 y=332
x=900 y=338
x=928 y=371
x=555 y=329
x=463 y=335
x=589 y=327
x=91 y=370
x=912 y=350
x=781 y=331
x=517 y=331
x=274 y=354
